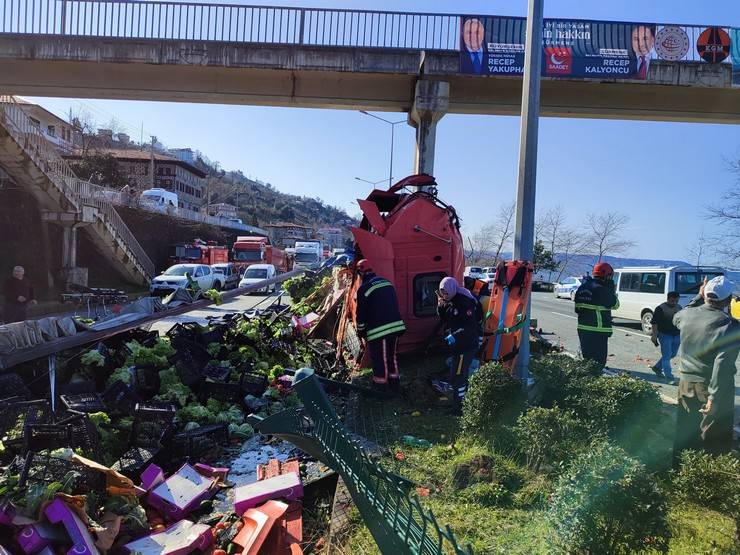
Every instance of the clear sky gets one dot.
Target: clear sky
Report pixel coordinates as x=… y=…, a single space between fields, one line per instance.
x=661 y=174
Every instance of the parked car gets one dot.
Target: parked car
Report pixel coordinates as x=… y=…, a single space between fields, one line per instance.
x=228 y=273
x=475 y=272
x=174 y=278
x=160 y=200
x=256 y=273
x=641 y=289
x=489 y=274
x=567 y=287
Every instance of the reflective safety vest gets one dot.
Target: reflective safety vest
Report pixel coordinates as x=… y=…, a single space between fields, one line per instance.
x=378 y=314
x=594 y=302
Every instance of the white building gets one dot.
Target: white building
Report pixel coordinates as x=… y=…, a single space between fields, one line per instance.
x=54 y=128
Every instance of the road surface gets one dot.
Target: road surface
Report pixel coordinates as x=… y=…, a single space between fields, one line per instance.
x=629 y=348
x=236 y=304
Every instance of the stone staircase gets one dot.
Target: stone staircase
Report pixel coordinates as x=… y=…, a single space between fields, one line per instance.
x=34 y=163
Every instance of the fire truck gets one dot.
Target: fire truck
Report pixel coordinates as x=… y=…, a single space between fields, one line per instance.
x=258 y=250
x=199 y=252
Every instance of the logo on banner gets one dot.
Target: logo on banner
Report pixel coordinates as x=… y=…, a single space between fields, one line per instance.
x=713 y=45
x=558 y=61
x=671 y=43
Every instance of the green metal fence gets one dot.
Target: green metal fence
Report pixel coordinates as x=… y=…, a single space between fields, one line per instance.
x=397 y=521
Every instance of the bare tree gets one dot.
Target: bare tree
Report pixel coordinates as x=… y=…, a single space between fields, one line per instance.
x=705 y=248
x=563 y=241
x=487 y=245
x=604 y=233
x=727 y=214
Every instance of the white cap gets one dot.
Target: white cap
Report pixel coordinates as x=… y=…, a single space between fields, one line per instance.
x=718 y=289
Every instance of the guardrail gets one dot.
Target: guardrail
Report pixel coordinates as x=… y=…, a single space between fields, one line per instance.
x=231 y=23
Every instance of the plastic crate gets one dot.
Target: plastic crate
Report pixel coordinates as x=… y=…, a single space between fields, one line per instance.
x=85 y=402
x=216 y=372
x=120 y=397
x=189 y=370
x=221 y=391
x=135 y=460
x=69 y=429
x=13 y=387
x=152 y=424
x=42 y=468
x=253 y=383
x=193 y=445
x=16 y=417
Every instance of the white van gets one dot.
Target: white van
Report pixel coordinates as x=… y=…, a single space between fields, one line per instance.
x=160 y=200
x=641 y=289
x=259 y=272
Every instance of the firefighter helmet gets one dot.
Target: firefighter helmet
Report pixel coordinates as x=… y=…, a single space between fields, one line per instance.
x=603 y=270
x=363 y=266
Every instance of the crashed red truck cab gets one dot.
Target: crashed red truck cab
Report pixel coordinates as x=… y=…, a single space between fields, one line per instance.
x=411 y=238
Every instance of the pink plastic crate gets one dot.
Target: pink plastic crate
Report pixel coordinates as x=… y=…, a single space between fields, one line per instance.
x=179 y=539
x=286 y=486
x=182 y=492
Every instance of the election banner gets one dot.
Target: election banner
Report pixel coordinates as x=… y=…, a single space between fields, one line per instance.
x=735 y=41
x=586 y=49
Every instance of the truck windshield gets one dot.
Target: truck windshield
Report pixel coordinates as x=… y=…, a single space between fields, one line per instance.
x=187 y=253
x=306 y=257
x=248 y=256
x=180 y=270
x=688 y=283
x=256 y=273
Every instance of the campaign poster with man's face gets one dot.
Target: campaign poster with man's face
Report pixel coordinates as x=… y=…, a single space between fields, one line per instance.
x=492 y=45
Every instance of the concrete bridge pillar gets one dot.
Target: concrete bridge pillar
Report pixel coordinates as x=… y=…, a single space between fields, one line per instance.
x=431 y=102
x=69 y=223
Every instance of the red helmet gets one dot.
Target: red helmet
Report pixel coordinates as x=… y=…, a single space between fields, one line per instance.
x=602 y=270
x=363 y=266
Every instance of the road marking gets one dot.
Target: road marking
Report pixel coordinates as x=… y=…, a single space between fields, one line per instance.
x=633 y=332
x=566 y=315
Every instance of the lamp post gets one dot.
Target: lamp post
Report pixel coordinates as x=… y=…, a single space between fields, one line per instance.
x=393 y=128
x=371 y=182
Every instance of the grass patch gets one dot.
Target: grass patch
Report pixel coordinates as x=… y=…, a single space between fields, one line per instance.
x=697 y=530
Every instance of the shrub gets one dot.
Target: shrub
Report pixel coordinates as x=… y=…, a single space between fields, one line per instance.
x=623 y=407
x=490 y=494
x=535 y=493
x=548 y=438
x=494 y=398
x=608 y=504
x=709 y=481
x=556 y=375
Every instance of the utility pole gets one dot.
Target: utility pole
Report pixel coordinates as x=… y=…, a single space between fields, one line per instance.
x=527 y=178
x=151 y=163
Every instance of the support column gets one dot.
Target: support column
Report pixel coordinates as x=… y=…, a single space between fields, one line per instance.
x=69 y=222
x=431 y=102
x=69 y=247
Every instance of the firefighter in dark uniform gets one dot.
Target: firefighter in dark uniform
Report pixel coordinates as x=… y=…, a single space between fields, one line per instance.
x=595 y=299
x=461 y=316
x=379 y=323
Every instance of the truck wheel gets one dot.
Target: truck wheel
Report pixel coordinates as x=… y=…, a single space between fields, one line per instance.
x=217 y=285
x=647 y=322
x=573 y=296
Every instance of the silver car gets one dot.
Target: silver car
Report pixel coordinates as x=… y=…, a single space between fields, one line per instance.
x=567 y=288
x=227 y=273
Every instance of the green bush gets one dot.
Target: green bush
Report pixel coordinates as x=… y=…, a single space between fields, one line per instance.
x=494 y=398
x=709 y=481
x=549 y=438
x=625 y=408
x=534 y=494
x=556 y=375
x=489 y=494
x=608 y=503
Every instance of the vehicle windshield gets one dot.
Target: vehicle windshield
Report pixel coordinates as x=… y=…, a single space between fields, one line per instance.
x=219 y=269
x=180 y=270
x=475 y=270
x=306 y=257
x=688 y=283
x=256 y=273
x=188 y=253
x=248 y=256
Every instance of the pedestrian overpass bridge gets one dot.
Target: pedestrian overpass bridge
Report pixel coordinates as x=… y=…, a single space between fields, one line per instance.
x=316 y=58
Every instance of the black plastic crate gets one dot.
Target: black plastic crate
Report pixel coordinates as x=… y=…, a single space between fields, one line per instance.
x=253 y=382
x=76 y=388
x=120 y=397
x=152 y=425
x=221 y=391
x=133 y=462
x=189 y=370
x=42 y=468
x=13 y=387
x=194 y=444
x=217 y=372
x=85 y=402
x=16 y=417
x=68 y=429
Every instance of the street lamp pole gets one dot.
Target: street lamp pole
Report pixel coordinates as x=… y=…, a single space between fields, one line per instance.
x=393 y=129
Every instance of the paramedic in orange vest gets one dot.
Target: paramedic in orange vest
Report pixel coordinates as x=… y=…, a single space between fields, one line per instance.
x=595 y=299
x=379 y=322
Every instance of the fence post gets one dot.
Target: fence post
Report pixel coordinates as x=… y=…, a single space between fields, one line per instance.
x=300 y=26
x=64 y=17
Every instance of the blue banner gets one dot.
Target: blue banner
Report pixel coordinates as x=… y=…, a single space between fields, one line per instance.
x=586 y=49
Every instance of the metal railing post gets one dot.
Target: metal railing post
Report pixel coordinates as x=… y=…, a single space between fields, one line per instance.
x=300 y=26
x=64 y=17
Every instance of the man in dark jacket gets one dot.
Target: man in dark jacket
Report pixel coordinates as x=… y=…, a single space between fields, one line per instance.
x=666 y=335
x=19 y=296
x=461 y=316
x=710 y=342
x=595 y=299
x=379 y=322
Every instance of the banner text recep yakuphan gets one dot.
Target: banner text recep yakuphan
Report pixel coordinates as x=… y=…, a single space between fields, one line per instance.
x=586 y=49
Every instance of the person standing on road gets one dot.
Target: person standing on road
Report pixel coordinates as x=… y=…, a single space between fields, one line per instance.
x=595 y=299
x=461 y=316
x=19 y=296
x=379 y=323
x=710 y=342
x=666 y=335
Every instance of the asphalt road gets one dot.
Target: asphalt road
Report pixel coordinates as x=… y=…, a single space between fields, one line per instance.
x=629 y=348
x=236 y=304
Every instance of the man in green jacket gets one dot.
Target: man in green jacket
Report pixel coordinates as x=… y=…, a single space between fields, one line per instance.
x=710 y=342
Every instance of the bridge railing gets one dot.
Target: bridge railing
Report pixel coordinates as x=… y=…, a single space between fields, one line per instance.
x=231 y=23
